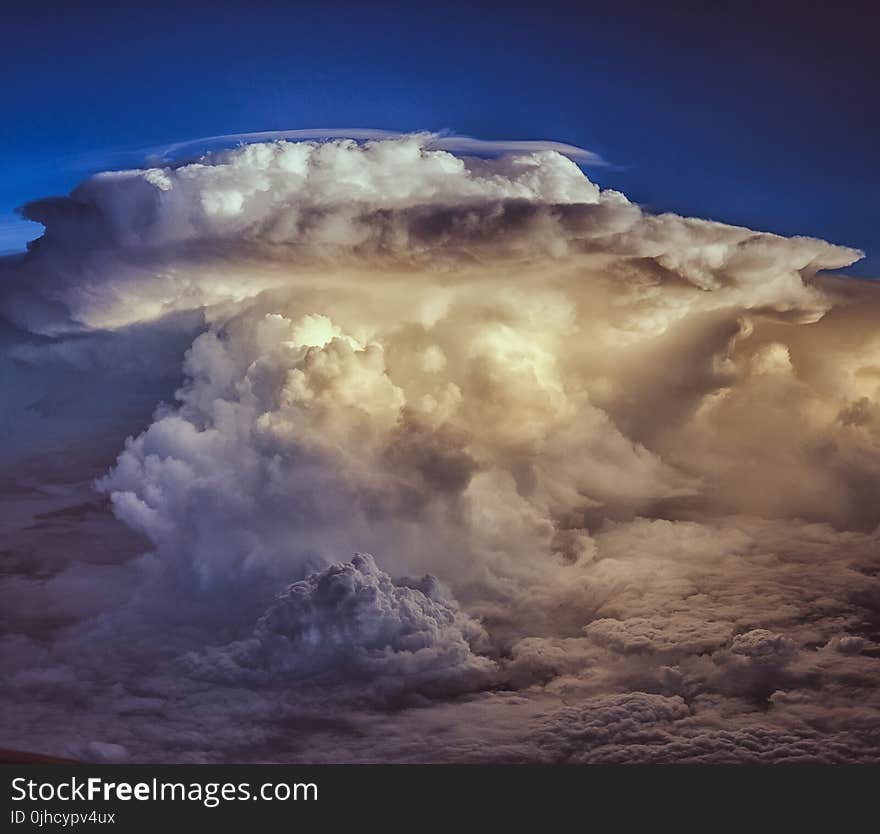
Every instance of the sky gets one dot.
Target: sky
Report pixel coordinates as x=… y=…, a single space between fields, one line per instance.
x=398 y=445
x=754 y=114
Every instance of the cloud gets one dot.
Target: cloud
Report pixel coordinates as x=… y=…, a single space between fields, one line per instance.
x=152 y=240
x=353 y=624
x=658 y=635
x=439 y=141
x=637 y=451
x=620 y=720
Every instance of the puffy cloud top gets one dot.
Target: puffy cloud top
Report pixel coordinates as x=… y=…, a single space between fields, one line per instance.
x=153 y=240
x=352 y=621
x=279 y=190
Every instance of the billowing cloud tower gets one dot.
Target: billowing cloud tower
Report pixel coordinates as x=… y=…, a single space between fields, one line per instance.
x=632 y=457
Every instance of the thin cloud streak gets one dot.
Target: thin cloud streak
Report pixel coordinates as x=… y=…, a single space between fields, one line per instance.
x=436 y=141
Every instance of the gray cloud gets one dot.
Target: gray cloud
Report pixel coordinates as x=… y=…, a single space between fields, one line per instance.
x=352 y=624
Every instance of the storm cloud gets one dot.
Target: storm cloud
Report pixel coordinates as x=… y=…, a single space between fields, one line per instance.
x=632 y=457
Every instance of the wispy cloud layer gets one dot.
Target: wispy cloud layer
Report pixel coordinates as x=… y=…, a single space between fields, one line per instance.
x=436 y=141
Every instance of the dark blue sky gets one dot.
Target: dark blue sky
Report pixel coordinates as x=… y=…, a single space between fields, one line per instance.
x=766 y=117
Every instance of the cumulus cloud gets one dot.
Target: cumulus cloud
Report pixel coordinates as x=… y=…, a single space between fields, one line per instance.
x=150 y=240
x=638 y=451
x=351 y=623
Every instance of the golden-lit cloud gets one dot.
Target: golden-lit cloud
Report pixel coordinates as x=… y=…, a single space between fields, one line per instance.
x=638 y=451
